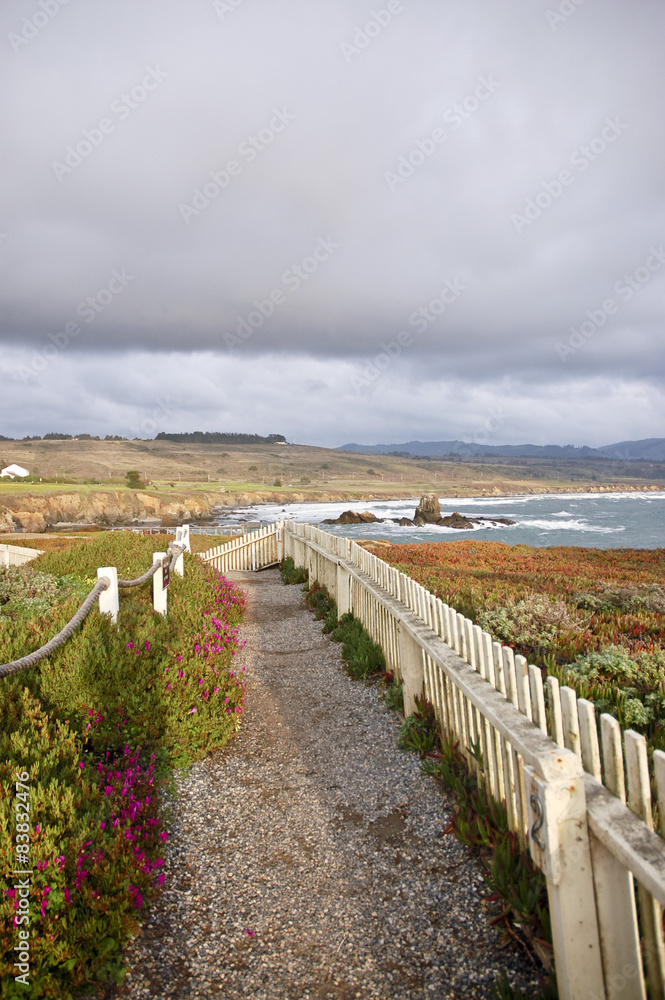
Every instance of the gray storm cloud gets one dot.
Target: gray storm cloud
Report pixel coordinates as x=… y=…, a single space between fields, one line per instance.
x=418 y=208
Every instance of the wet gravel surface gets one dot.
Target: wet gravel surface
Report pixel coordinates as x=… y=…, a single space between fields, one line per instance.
x=308 y=859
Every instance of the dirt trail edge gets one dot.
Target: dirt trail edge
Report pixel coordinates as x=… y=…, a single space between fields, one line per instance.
x=307 y=860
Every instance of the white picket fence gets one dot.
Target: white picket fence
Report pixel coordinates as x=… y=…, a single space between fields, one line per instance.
x=254 y=551
x=586 y=818
x=17 y=555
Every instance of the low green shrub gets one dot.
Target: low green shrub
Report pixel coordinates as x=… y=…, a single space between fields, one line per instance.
x=290 y=573
x=533 y=622
x=97 y=727
x=630 y=686
x=363 y=657
x=420 y=731
x=394 y=694
x=645 y=597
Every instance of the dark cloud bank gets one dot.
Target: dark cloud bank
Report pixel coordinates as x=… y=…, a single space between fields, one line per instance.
x=339 y=222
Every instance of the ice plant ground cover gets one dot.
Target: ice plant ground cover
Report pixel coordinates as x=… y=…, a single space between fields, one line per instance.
x=99 y=726
x=592 y=617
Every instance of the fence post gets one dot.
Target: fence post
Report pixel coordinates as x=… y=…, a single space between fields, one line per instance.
x=109 y=603
x=159 y=592
x=411 y=665
x=182 y=537
x=343 y=595
x=279 y=531
x=559 y=843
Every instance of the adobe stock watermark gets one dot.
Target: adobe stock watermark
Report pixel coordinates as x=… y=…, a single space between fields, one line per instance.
x=160 y=413
x=581 y=158
x=88 y=310
x=364 y=34
x=627 y=286
x=249 y=149
x=420 y=319
x=565 y=10
x=293 y=278
x=224 y=7
x=494 y=421
x=122 y=107
x=31 y=26
x=455 y=116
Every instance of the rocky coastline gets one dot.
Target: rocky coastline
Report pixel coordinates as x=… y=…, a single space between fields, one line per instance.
x=428 y=511
x=25 y=510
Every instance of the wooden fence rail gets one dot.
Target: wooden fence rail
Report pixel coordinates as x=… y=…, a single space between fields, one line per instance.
x=577 y=790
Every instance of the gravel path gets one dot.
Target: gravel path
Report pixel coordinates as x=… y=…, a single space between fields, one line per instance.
x=307 y=860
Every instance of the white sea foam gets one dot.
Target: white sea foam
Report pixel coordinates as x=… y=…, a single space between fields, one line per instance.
x=571 y=525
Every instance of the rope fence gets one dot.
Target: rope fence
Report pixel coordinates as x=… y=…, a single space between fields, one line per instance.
x=106 y=592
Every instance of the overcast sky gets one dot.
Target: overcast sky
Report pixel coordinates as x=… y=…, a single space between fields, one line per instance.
x=336 y=220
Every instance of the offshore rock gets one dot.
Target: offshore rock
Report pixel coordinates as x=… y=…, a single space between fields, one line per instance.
x=354 y=517
x=428 y=510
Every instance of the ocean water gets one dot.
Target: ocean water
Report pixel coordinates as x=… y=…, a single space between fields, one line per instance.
x=603 y=521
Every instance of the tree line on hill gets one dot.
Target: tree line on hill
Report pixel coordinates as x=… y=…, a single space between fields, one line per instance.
x=193 y=437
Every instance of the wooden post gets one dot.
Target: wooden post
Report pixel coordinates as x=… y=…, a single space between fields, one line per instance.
x=615 y=891
x=343 y=596
x=158 y=590
x=411 y=664
x=182 y=537
x=179 y=565
x=559 y=843
x=109 y=603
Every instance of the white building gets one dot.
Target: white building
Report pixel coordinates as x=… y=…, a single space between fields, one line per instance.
x=14 y=470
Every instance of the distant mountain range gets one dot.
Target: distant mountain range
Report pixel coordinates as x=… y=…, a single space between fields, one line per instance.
x=649 y=450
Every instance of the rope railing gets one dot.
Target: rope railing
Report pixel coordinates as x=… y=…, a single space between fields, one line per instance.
x=175 y=551
x=63 y=635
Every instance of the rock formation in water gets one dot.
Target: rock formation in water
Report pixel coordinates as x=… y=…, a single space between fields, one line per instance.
x=354 y=517
x=428 y=511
